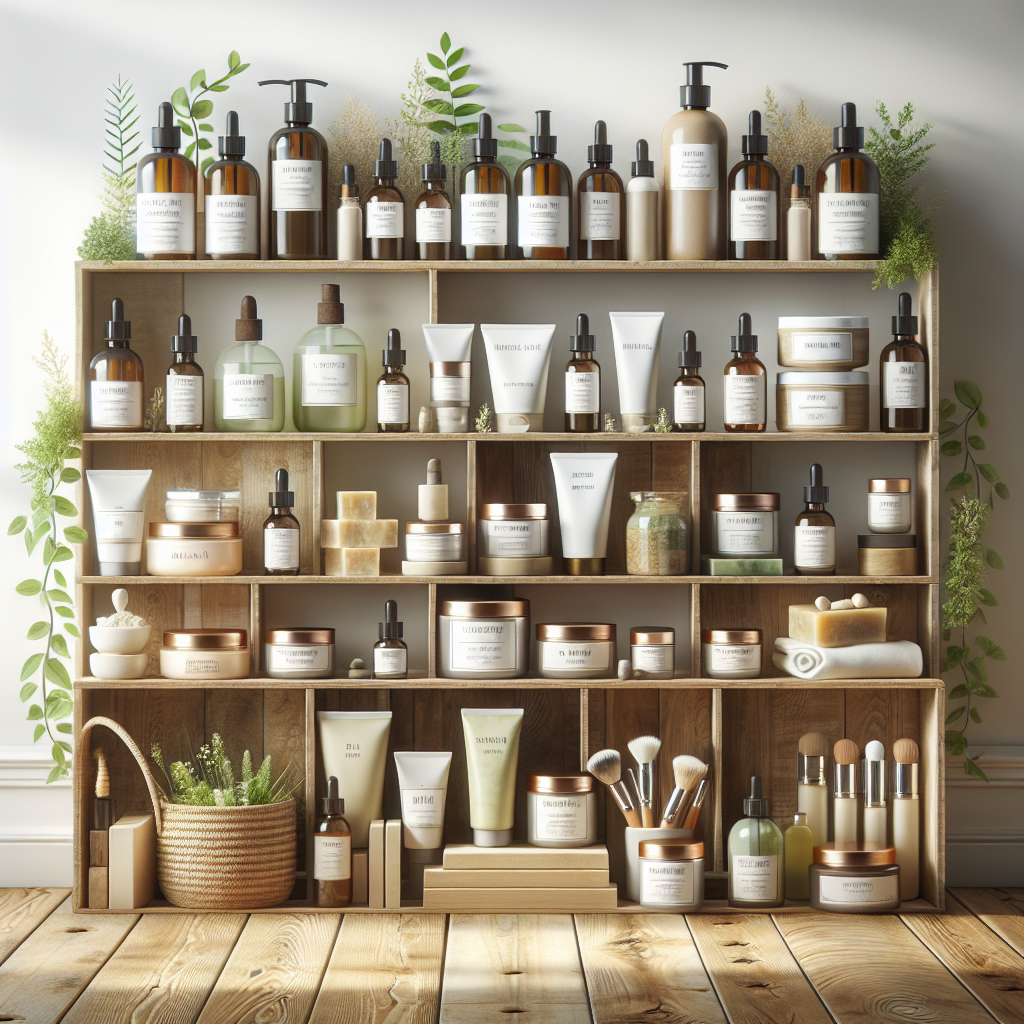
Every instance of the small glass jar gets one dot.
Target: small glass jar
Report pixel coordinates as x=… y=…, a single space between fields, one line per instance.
x=514 y=531
x=745 y=525
x=299 y=653
x=576 y=650
x=484 y=639
x=201 y=506
x=889 y=505
x=671 y=874
x=193 y=549
x=561 y=811
x=433 y=542
x=835 y=343
x=205 y=654
x=822 y=402
x=657 y=534
x=731 y=653
x=887 y=554
x=652 y=652
x=855 y=878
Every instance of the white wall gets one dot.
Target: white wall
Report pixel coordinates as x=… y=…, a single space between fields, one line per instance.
x=601 y=60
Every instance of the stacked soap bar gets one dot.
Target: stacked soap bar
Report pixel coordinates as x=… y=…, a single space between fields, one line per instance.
x=838 y=624
x=352 y=542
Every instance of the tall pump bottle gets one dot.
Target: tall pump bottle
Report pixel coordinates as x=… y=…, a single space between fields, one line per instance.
x=543 y=198
x=232 y=200
x=484 y=206
x=165 y=196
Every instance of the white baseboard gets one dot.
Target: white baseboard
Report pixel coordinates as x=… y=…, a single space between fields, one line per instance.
x=985 y=858
x=38 y=860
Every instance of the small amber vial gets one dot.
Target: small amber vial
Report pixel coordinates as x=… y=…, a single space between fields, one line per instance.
x=332 y=852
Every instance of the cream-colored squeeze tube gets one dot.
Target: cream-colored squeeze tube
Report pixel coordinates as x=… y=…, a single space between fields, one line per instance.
x=636 y=338
x=119 y=513
x=518 y=360
x=448 y=349
x=492 y=755
x=423 y=781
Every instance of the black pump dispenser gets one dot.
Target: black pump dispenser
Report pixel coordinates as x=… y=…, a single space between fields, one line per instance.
x=848 y=135
x=166 y=134
x=435 y=170
x=298 y=112
x=903 y=325
x=582 y=340
x=695 y=95
x=484 y=144
x=689 y=357
x=333 y=805
x=281 y=497
x=543 y=143
x=394 y=354
x=184 y=340
x=231 y=143
x=817 y=493
x=745 y=340
x=643 y=166
x=755 y=806
x=385 y=167
x=754 y=142
x=117 y=328
x=600 y=152
x=390 y=628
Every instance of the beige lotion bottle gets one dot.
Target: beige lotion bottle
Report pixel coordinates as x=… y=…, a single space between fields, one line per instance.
x=746 y=383
x=875 y=824
x=601 y=212
x=165 y=196
x=906 y=817
x=116 y=378
x=814 y=535
x=642 y=208
x=844 y=791
x=811 y=785
x=798 y=218
x=350 y=218
x=694 y=151
x=332 y=852
x=184 y=394
x=688 y=392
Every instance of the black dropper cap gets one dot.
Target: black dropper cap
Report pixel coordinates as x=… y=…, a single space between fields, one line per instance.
x=484 y=144
x=582 y=340
x=689 y=357
x=333 y=804
x=184 y=340
x=695 y=95
x=543 y=143
x=643 y=166
x=166 y=134
x=385 y=167
x=117 y=328
x=248 y=327
x=394 y=354
x=298 y=111
x=754 y=142
x=348 y=175
x=799 y=190
x=848 y=135
x=281 y=497
x=817 y=492
x=600 y=152
x=435 y=170
x=904 y=324
x=330 y=309
x=231 y=143
x=390 y=628
x=755 y=806
x=744 y=340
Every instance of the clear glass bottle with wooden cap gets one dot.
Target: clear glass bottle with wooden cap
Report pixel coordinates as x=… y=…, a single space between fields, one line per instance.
x=855 y=878
x=248 y=386
x=116 y=378
x=903 y=371
x=434 y=211
x=754 y=200
x=485 y=190
x=582 y=382
x=814 y=534
x=332 y=852
x=184 y=394
x=281 y=531
x=601 y=209
x=746 y=383
x=688 y=392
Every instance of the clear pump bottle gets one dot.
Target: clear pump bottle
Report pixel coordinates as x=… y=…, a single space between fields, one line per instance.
x=184 y=394
x=903 y=371
x=390 y=655
x=350 y=217
x=231 y=204
x=393 y=389
x=600 y=211
x=332 y=852
x=281 y=532
x=384 y=210
x=814 y=535
x=756 y=859
x=582 y=382
x=484 y=204
x=746 y=383
x=116 y=378
x=434 y=211
x=642 y=208
x=754 y=199
x=543 y=188
x=688 y=392
x=248 y=386
x=165 y=196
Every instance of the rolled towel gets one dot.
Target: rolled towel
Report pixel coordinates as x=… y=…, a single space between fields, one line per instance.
x=897 y=659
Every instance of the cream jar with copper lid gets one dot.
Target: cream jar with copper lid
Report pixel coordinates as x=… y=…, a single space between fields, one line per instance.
x=822 y=402
x=299 y=653
x=652 y=652
x=576 y=650
x=561 y=811
x=831 y=343
x=745 y=525
x=671 y=874
x=514 y=531
x=434 y=542
x=194 y=549
x=731 y=653
x=484 y=639
x=889 y=505
x=855 y=878
x=205 y=654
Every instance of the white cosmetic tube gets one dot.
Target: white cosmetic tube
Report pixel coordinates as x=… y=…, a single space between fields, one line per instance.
x=119 y=513
x=583 y=484
x=518 y=359
x=448 y=349
x=354 y=748
x=636 y=338
x=423 y=780
x=492 y=755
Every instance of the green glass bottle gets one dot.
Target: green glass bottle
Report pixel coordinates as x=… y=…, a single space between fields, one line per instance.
x=755 y=855
x=249 y=379
x=799 y=849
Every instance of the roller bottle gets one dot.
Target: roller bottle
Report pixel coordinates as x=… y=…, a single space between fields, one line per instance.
x=165 y=196
x=543 y=188
x=484 y=204
x=600 y=211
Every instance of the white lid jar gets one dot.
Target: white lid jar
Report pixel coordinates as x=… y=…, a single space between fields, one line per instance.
x=484 y=639
x=299 y=653
x=671 y=874
x=889 y=505
x=745 y=525
x=561 y=811
x=731 y=653
x=576 y=650
x=514 y=531
x=652 y=652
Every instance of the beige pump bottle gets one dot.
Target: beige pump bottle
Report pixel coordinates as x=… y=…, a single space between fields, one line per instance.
x=694 y=153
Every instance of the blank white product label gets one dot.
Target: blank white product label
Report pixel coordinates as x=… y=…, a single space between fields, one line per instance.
x=824 y=348
x=184 y=401
x=733 y=657
x=583 y=391
x=329 y=379
x=115 y=403
x=231 y=224
x=485 y=219
x=423 y=808
x=165 y=222
x=560 y=815
x=653 y=657
x=449 y=389
x=433 y=224
x=745 y=399
x=385 y=220
x=599 y=216
x=744 y=533
x=332 y=858
x=280 y=549
x=544 y=221
x=688 y=405
x=755 y=878
x=816 y=408
x=665 y=882
x=754 y=215
x=693 y=165
x=119 y=526
x=482 y=646
x=392 y=403
x=814 y=547
x=903 y=385
x=248 y=396
x=888 y=510
x=297 y=185
x=390 y=660
x=848 y=222
x=307 y=657
x=563 y=656
x=859 y=890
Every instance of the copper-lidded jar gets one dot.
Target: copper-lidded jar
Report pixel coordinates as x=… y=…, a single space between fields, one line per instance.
x=671 y=874
x=855 y=878
x=561 y=810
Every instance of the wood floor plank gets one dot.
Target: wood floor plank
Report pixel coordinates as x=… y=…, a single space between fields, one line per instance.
x=385 y=968
x=985 y=964
x=644 y=967
x=274 y=971
x=22 y=911
x=163 y=971
x=513 y=967
x=757 y=979
x=874 y=970
x=1001 y=909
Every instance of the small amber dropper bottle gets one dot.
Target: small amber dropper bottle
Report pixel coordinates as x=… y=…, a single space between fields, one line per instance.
x=582 y=382
x=746 y=383
x=688 y=392
x=332 y=852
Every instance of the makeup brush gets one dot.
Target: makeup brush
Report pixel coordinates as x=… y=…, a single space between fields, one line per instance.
x=687 y=771
x=693 y=812
x=906 y=812
x=644 y=750
x=606 y=767
x=812 y=785
x=874 y=794
x=844 y=790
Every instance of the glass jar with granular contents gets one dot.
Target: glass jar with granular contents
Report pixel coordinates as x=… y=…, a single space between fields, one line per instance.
x=652 y=651
x=657 y=534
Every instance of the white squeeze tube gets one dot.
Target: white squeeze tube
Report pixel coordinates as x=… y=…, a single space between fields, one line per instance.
x=518 y=358
x=583 y=485
x=354 y=747
x=119 y=513
x=492 y=755
x=636 y=338
x=423 y=780
x=448 y=349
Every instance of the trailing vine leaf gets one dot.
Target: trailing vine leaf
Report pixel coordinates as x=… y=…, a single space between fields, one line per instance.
x=193 y=105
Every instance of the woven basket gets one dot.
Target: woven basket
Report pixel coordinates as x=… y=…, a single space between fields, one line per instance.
x=217 y=858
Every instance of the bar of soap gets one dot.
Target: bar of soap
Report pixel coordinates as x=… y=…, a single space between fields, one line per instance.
x=359 y=533
x=352 y=561
x=357 y=505
x=710 y=566
x=837 y=628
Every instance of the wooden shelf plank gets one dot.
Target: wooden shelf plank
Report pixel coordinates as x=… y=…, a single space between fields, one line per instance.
x=1001 y=909
x=21 y=911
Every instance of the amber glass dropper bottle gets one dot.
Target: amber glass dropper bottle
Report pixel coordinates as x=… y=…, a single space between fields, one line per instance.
x=484 y=206
x=332 y=852
x=165 y=196
x=184 y=395
x=904 y=376
x=582 y=382
x=543 y=198
x=434 y=211
x=746 y=383
x=232 y=201
x=754 y=199
x=116 y=378
x=384 y=210
x=601 y=209
x=688 y=392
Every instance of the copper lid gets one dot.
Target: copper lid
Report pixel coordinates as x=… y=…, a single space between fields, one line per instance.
x=501 y=511
x=486 y=609
x=574 y=783
x=450 y=369
x=206 y=639
x=652 y=635
x=730 y=636
x=854 y=855
x=670 y=849
x=433 y=527
x=576 y=631
x=195 y=531
x=746 y=502
x=893 y=486
x=300 y=636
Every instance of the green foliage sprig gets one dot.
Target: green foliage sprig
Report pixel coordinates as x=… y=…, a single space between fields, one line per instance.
x=966 y=569
x=57 y=439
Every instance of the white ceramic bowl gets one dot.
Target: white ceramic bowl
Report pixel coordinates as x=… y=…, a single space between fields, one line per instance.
x=120 y=639
x=119 y=666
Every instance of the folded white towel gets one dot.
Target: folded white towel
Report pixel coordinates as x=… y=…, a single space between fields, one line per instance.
x=897 y=659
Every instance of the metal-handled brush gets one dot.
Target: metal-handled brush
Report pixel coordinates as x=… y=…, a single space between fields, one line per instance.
x=644 y=750
x=606 y=767
x=687 y=771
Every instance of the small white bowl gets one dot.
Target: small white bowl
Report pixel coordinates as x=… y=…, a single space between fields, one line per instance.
x=120 y=639
x=119 y=666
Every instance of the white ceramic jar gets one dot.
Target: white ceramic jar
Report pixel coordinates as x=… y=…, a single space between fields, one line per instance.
x=746 y=525
x=513 y=531
x=731 y=653
x=652 y=652
x=561 y=811
x=889 y=505
x=484 y=639
x=194 y=549
x=299 y=653
x=576 y=650
x=205 y=654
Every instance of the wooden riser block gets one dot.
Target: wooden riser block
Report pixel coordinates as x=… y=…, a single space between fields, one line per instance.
x=524 y=878
x=518 y=856
x=459 y=901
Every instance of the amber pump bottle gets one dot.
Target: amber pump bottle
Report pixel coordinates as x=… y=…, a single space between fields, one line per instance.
x=116 y=379
x=904 y=376
x=184 y=394
x=642 y=213
x=814 y=535
x=543 y=189
x=297 y=169
x=754 y=199
x=332 y=852
x=746 y=383
x=434 y=211
x=582 y=382
x=393 y=389
x=165 y=196
x=484 y=203
x=688 y=392
x=281 y=531
x=600 y=209
x=232 y=200
x=384 y=210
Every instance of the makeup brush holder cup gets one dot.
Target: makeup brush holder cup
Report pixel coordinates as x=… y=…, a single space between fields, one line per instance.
x=636 y=836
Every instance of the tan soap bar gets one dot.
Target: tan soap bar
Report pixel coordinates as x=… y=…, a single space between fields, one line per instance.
x=837 y=628
x=352 y=561
x=359 y=533
x=357 y=505
x=360 y=876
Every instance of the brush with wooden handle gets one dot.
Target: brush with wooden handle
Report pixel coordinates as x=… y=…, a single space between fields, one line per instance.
x=687 y=771
x=606 y=767
x=645 y=750
x=693 y=813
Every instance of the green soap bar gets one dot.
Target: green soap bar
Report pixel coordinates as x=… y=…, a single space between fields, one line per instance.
x=741 y=566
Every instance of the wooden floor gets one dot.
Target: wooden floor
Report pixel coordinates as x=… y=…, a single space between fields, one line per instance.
x=962 y=967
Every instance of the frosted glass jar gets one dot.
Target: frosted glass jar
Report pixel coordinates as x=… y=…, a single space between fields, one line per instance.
x=299 y=653
x=652 y=652
x=855 y=878
x=201 y=506
x=745 y=525
x=193 y=549
x=434 y=542
x=889 y=505
x=561 y=811
x=576 y=650
x=484 y=639
x=205 y=654
x=671 y=874
x=822 y=402
x=731 y=653
x=514 y=531
x=834 y=343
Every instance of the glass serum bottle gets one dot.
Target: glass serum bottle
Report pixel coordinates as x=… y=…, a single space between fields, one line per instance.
x=281 y=531
x=393 y=389
x=543 y=189
x=746 y=383
x=116 y=378
x=754 y=199
x=756 y=859
x=297 y=169
x=184 y=393
x=332 y=852
x=582 y=382
x=384 y=210
x=248 y=385
x=484 y=202
x=390 y=655
x=688 y=392
x=600 y=211
x=350 y=217
x=814 y=535
x=642 y=213
x=232 y=200
x=903 y=371
x=165 y=196
x=434 y=211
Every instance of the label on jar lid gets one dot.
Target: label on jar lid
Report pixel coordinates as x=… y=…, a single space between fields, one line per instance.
x=882 y=889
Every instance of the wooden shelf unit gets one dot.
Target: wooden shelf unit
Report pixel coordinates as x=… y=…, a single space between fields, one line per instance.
x=741 y=727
